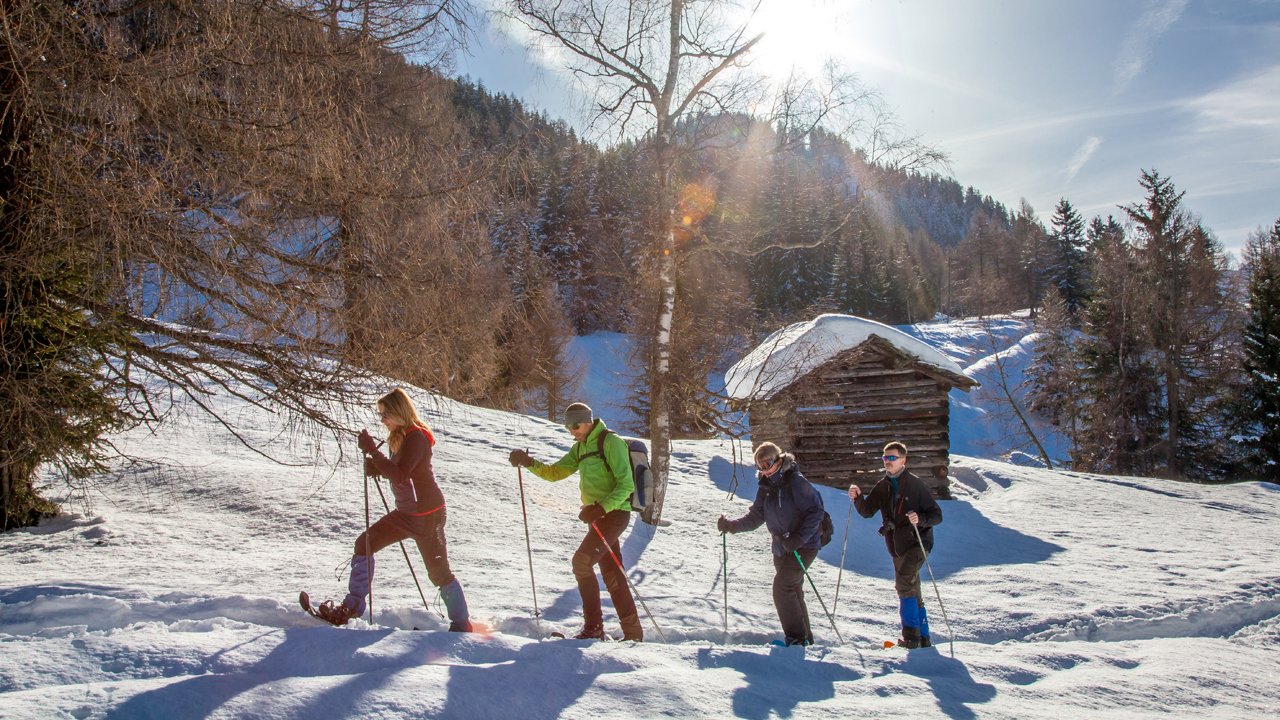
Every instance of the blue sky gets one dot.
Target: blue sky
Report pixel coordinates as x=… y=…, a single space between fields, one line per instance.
x=1035 y=99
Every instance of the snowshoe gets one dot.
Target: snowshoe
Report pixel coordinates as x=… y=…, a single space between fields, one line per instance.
x=329 y=611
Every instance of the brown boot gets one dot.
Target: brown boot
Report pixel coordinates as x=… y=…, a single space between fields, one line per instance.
x=590 y=631
x=334 y=613
x=910 y=638
x=631 y=629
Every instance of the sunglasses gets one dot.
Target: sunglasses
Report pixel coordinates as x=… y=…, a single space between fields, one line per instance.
x=766 y=463
x=384 y=414
x=890 y=458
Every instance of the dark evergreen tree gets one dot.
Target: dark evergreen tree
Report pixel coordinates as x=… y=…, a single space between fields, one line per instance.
x=1259 y=409
x=1067 y=269
x=1181 y=268
x=1121 y=421
x=1053 y=376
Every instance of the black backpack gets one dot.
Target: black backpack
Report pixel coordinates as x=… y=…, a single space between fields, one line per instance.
x=826 y=529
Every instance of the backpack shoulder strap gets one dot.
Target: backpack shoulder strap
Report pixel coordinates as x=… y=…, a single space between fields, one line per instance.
x=600 y=449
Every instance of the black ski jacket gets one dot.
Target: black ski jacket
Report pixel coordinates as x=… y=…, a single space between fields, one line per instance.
x=913 y=496
x=788 y=506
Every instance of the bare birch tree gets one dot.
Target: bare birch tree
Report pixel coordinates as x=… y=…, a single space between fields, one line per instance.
x=674 y=73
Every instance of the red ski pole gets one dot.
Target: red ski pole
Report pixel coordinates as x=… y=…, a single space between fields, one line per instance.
x=636 y=592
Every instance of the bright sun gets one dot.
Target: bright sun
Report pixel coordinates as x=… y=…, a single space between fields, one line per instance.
x=803 y=35
x=800 y=36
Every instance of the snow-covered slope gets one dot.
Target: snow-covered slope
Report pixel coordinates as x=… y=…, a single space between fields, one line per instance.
x=1068 y=595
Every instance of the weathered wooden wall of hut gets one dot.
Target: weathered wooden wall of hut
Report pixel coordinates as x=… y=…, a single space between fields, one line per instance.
x=838 y=418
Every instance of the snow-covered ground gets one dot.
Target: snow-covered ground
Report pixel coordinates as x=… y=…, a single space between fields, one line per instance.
x=1067 y=594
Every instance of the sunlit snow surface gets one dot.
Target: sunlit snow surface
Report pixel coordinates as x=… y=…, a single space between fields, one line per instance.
x=1070 y=595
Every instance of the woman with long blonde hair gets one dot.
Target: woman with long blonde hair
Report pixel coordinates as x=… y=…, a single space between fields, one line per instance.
x=419 y=513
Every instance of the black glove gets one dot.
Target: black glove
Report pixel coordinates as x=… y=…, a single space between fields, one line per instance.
x=371 y=468
x=591 y=513
x=521 y=458
x=723 y=525
x=792 y=542
x=366 y=442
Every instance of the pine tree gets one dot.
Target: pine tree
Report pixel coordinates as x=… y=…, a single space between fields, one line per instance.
x=1067 y=269
x=1030 y=245
x=1121 y=422
x=1260 y=406
x=1181 y=266
x=1053 y=376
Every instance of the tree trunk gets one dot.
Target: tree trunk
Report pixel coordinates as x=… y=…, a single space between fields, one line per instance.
x=660 y=372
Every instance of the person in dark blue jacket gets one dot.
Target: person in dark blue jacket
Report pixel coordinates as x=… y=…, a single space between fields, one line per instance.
x=792 y=511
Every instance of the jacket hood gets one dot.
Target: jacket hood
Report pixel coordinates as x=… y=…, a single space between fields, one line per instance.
x=778 y=479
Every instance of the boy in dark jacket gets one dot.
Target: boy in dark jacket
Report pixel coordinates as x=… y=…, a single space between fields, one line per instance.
x=792 y=511
x=903 y=500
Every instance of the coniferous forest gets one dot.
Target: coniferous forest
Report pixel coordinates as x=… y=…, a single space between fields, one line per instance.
x=268 y=195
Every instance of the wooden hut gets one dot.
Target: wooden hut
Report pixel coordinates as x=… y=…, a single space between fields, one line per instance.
x=834 y=390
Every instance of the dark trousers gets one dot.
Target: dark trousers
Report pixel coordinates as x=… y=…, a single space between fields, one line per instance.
x=788 y=594
x=425 y=530
x=906 y=573
x=593 y=552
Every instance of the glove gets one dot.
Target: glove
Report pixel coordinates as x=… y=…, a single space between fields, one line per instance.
x=371 y=468
x=791 y=542
x=723 y=525
x=591 y=513
x=521 y=458
x=366 y=443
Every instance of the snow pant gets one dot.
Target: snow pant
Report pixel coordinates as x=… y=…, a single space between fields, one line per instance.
x=906 y=572
x=788 y=595
x=906 y=580
x=427 y=531
x=593 y=552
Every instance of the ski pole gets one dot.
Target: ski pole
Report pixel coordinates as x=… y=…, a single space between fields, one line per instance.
x=407 y=561
x=950 y=635
x=818 y=595
x=528 y=546
x=840 y=573
x=623 y=570
x=724 y=546
x=368 y=544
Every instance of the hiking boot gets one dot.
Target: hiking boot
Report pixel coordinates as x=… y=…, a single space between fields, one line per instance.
x=594 y=631
x=334 y=614
x=631 y=629
x=462 y=627
x=910 y=638
x=925 y=641
x=797 y=641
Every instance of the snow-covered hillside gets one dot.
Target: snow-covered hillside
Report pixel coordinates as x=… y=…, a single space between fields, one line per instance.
x=1068 y=594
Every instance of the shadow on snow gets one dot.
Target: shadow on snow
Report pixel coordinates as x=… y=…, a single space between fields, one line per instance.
x=966 y=538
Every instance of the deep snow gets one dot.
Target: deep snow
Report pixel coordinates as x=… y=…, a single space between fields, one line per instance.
x=1070 y=595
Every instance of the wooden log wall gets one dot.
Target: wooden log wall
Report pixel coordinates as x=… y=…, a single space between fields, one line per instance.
x=838 y=418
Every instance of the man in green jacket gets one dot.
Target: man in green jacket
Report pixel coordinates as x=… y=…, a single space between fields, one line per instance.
x=603 y=464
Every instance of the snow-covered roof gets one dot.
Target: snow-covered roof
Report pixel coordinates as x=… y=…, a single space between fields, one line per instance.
x=792 y=352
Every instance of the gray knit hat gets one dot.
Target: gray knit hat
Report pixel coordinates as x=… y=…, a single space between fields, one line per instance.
x=577 y=413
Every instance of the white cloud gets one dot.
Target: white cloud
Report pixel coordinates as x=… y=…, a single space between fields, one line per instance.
x=1082 y=155
x=1137 y=46
x=1248 y=102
